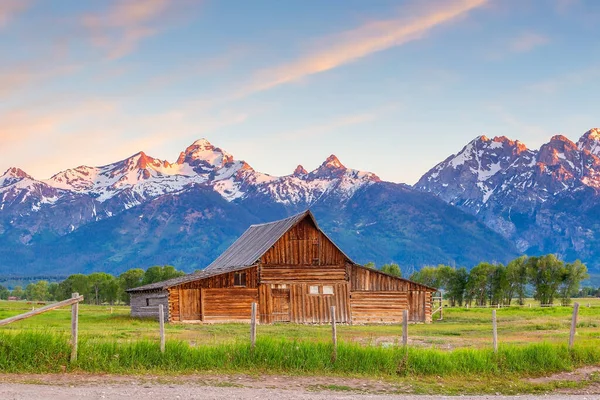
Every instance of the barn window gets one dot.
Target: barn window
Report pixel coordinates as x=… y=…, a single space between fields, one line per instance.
x=327 y=289
x=147 y=301
x=239 y=279
x=313 y=290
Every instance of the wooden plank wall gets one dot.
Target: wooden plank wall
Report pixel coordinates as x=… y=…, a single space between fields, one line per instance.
x=304 y=244
x=306 y=307
x=228 y=304
x=180 y=296
x=139 y=307
x=371 y=291
x=378 y=307
x=287 y=274
x=367 y=279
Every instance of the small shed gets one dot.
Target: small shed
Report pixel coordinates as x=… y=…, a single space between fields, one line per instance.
x=294 y=272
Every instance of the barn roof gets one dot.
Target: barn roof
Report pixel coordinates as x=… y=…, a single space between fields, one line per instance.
x=257 y=240
x=244 y=252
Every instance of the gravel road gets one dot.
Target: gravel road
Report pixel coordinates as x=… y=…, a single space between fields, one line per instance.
x=10 y=391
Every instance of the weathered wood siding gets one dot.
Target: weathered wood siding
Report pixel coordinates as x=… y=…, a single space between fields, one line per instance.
x=228 y=304
x=145 y=304
x=378 y=307
x=369 y=279
x=288 y=274
x=378 y=297
x=188 y=301
x=303 y=244
x=303 y=307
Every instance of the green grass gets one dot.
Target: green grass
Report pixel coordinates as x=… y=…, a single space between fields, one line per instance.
x=460 y=328
x=44 y=352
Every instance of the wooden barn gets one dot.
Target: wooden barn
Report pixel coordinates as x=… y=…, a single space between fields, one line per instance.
x=294 y=273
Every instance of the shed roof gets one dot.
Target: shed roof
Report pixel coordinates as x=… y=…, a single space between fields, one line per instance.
x=244 y=252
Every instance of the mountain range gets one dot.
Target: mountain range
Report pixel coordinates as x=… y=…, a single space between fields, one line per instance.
x=492 y=201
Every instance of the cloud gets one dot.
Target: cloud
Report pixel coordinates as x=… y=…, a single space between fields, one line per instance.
x=568 y=80
x=339 y=122
x=126 y=23
x=9 y=8
x=360 y=42
x=527 y=42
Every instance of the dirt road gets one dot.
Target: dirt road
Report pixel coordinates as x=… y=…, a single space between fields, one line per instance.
x=172 y=392
x=69 y=386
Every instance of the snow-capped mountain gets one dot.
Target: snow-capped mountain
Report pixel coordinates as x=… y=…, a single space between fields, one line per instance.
x=143 y=211
x=544 y=200
x=119 y=186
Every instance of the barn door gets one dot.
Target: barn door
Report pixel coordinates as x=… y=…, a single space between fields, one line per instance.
x=190 y=305
x=416 y=306
x=281 y=305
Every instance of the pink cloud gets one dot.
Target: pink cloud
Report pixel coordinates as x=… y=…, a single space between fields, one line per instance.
x=121 y=28
x=360 y=42
x=9 y=8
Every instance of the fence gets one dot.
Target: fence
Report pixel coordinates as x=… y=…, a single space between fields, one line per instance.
x=73 y=302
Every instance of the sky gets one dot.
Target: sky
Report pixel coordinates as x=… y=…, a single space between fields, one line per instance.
x=389 y=86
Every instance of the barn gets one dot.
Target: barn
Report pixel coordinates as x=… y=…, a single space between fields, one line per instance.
x=294 y=272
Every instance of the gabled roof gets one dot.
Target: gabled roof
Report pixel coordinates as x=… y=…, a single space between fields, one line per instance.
x=245 y=252
x=257 y=240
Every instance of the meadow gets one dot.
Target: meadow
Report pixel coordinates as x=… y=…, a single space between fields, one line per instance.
x=533 y=342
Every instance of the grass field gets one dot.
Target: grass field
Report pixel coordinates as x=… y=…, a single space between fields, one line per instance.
x=460 y=328
x=533 y=342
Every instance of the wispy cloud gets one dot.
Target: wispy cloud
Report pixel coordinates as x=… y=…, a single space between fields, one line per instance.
x=360 y=42
x=340 y=122
x=568 y=80
x=527 y=42
x=9 y=8
x=126 y=23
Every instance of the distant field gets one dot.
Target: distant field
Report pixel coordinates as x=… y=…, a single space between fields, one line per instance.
x=460 y=328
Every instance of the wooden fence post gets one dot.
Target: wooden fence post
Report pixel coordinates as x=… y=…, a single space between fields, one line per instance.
x=404 y=327
x=495 y=331
x=74 y=327
x=334 y=333
x=253 y=326
x=161 y=321
x=573 y=325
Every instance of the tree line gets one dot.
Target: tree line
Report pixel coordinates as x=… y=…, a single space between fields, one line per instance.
x=546 y=277
x=97 y=287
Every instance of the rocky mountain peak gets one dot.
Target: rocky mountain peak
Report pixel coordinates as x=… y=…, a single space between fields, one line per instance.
x=299 y=171
x=590 y=141
x=202 y=152
x=332 y=162
x=13 y=175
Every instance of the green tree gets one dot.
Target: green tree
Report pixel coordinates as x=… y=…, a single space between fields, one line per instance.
x=129 y=279
x=427 y=276
x=37 y=291
x=159 y=274
x=499 y=285
x=76 y=283
x=18 y=292
x=516 y=273
x=573 y=274
x=545 y=274
x=392 y=269
x=478 y=283
x=456 y=286
x=100 y=286
x=4 y=293
x=170 y=272
x=370 y=265
x=53 y=291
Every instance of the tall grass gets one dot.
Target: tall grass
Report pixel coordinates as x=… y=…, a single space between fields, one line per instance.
x=47 y=352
